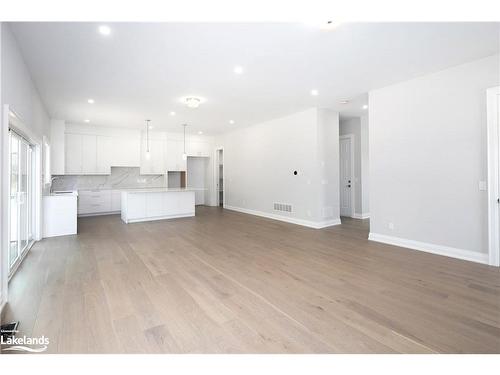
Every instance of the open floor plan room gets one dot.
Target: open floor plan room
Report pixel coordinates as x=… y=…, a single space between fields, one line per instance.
x=252 y=188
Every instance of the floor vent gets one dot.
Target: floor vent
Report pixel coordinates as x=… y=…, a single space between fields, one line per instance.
x=282 y=207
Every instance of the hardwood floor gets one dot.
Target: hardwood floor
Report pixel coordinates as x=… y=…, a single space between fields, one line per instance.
x=226 y=282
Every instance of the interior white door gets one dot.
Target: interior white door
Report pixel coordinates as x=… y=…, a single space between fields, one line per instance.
x=346 y=178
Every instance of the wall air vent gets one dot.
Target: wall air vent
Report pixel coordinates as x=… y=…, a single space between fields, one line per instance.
x=282 y=207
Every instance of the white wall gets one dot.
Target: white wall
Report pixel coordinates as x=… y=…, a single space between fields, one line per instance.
x=427 y=155
x=259 y=162
x=358 y=126
x=20 y=93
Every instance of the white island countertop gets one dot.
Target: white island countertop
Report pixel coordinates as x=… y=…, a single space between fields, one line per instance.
x=159 y=190
x=157 y=204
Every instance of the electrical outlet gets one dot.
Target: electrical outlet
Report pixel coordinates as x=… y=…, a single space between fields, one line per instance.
x=391 y=226
x=482 y=185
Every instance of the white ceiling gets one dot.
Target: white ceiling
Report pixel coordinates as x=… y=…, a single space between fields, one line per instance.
x=142 y=69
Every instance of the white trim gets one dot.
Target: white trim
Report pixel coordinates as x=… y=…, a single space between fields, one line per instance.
x=447 y=251
x=216 y=176
x=365 y=215
x=493 y=177
x=287 y=219
x=165 y=217
x=352 y=138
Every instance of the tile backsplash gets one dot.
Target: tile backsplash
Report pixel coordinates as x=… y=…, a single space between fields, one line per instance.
x=120 y=178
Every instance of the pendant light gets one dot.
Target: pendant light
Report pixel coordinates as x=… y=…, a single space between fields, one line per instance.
x=148 y=154
x=184 y=155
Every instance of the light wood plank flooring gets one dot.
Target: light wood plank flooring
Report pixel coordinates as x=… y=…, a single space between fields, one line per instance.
x=226 y=282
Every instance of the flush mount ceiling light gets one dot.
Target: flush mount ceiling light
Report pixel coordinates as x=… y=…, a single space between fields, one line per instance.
x=192 y=101
x=365 y=106
x=172 y=113
x=344 y=101
x=90 y=101
x=314 y=92
x=238 y=69
x=231 y=122
x=104 y=30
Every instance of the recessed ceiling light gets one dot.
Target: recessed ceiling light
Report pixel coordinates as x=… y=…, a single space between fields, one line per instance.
x=365 y=106
x=344 y=101
x=172 y=113
x=231 y=122
x=150 y=127
x=314 y=92
x=90 y=101
x=238 y=69
x=87 y=121
x=200 y=132
x=104 y=30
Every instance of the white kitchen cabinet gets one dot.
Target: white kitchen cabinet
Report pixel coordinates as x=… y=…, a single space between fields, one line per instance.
x=156 y=163
x=116 y=200
x=89 y=154
x=156 y=204
x=57 y=141
x=104 y=154
x=91 y=202
x=198 y=148
x=125 y=152
x=174 y=156
x=73 y=154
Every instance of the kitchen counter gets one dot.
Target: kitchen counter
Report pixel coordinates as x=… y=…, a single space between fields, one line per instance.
x=157 y=204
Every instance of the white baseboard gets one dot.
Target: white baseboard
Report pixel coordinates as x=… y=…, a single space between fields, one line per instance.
x=305 y=223
x=472 y=256
x=365 y=215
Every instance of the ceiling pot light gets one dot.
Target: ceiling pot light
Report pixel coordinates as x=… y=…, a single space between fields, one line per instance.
x=172 y=113
x=90 y=101
x=238 y=69
x=104 y=30
x=200 y=132
x=87 y=121
x=314 y=92
x=231 y=122
x=365 y=106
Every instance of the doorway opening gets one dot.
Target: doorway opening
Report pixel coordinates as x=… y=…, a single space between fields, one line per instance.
x=219 y=176
x=346 y=147
x=493 y=124
x=22 y=186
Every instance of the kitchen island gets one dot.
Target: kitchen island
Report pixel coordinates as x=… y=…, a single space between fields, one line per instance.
x=156 y=204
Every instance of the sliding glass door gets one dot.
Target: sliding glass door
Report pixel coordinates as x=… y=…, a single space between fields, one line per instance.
x=21 y=198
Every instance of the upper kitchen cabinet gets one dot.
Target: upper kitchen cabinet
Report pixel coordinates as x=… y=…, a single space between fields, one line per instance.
x=198 y=148
x=104 y=154
x=125 y=152
x=156 y=162
x=73 y=153
x=175 y=149
x=89 y=154
x=57 y=145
